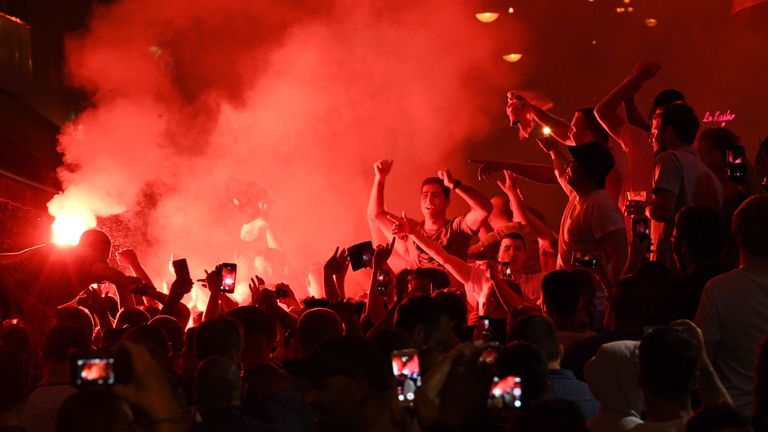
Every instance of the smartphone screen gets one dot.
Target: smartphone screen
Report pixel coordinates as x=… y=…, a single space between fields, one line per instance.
x=641 y=229
x=228 y=274
x=181 y=269
x=506 y=270
x=360 y=255
x=94 y=370
x=382 y=282
x=505 y=392
x=405 y=367
x=736 y=165
x=583 y=260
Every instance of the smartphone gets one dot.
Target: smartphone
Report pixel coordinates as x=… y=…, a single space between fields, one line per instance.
x=641 y=229
x=506 y=392
x=736 y=163
x=382 y=282
x=584 y=260
x=100 y=369
x=94 y=371
x=228 y=275
x=485 y=327
x=506 y=270
x=181 y=269
x=281 y=292
x=405 y=367
x=360 y=255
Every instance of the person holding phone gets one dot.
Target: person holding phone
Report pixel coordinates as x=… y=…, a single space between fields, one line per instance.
x=488 y=290
x=350 y=385
x=35 y=281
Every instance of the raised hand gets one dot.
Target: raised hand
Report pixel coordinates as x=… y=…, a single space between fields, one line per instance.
x=338 y=263
x=255 y=287
x=383 y=167
x=510 y=183
x=447 y=178
x=290 y=299
x=180 y=287
x=382 y=253
x=401 y=227
x=213 y=281
x=646 y=70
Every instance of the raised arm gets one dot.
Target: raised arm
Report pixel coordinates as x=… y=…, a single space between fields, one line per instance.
x=335 y=265
x=608 y=111
x=479 y=206
x=633 y=115
x=560 y=160
x=538 y=173
x=510 y=299
x=560 y=128
x=520 y=210
x=376 y=211
x=455 y=265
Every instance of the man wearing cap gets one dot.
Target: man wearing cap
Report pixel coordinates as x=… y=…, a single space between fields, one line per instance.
x=592 y=226
x=350 y=385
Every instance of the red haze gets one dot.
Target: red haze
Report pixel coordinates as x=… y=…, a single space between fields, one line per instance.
x=196 y=100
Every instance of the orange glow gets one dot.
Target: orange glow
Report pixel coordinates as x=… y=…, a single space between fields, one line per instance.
x=546 y=130
x=487 y=17
x=651 y=22
x=68 y=226
x=512 y=58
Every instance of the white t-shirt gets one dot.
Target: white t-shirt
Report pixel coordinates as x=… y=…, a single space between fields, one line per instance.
x=733 y=314
x=44 y=402
x=681 y=172
x=585 y=220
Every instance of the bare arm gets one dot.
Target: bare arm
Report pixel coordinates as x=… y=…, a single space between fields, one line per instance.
x=332 y=266
x=615 y=246
x=538 y=173
x=662 y=208
x=560 y=128
x=509 y=298
x=376 y=309
x=520 y=210
x=560 y=160
x=711 y=389
x=376 y=211
x=633 y=115
x=456 y=266
x=479 y=206
x=608 y=111
x=213 y=281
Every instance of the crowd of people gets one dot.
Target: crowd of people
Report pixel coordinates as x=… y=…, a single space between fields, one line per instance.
x=646 y=311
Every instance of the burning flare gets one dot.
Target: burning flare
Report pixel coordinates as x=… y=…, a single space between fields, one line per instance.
x=68 y=227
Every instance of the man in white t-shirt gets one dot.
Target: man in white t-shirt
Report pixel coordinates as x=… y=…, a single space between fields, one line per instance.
x=733 y=311
x=592 y=231
x=680 y=177
x=631 y=130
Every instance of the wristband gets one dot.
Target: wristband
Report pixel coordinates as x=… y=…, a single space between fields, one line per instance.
x=456 y=184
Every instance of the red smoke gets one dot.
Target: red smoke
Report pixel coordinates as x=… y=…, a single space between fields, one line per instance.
x=284 y=103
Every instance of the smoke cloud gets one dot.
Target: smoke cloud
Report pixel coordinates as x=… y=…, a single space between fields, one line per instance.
x=224 y=112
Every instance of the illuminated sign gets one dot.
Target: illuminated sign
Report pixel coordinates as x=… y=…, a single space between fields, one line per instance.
x=718 y=117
